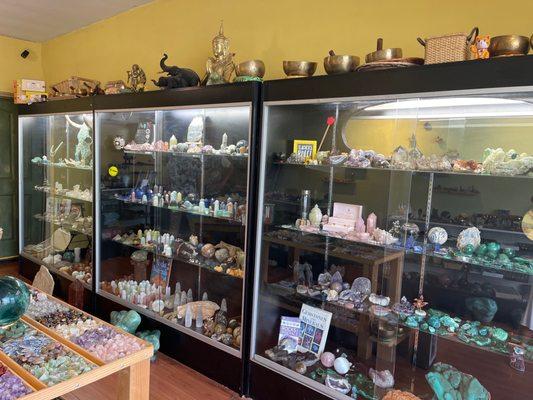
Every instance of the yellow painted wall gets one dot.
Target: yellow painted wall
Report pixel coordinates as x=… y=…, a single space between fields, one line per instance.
x=13 y=66
x=273 y=31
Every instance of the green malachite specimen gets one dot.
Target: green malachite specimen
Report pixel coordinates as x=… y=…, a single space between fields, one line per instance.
x=448 y=383
x=154 y=337
x=14 y=300
x=482 y=308
x=126 y=320
x=362 y=386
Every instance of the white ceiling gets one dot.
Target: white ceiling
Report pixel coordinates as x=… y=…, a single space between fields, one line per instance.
x=41 y=20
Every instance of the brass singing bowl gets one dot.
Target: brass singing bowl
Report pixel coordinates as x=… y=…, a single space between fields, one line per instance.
x=299 y=68
x=255 y=68
x=508 y=45
x=338 y=64
x=384 y=55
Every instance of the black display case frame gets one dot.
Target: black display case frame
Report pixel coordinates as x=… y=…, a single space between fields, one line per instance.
x=487 y=76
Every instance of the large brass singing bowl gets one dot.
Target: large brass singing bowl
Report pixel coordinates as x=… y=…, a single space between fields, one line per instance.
x=508 y=45
x=255 y=68
x=299 y=68
x=338 y=64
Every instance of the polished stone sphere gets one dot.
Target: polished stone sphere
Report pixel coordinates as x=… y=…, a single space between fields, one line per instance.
x=14 y=300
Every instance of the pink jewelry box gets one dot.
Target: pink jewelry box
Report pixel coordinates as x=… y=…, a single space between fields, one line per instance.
x=347 y=211
x=344 y=217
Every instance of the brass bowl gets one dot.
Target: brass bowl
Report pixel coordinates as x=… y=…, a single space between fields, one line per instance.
x=508 y=45
x=338 y=64
x=299 y=68
x=254 y=68
x=382 y=54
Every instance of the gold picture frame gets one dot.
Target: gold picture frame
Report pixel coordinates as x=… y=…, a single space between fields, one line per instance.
x=305 y=148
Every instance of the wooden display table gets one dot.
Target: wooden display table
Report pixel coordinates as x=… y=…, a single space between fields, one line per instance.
x=133 y=371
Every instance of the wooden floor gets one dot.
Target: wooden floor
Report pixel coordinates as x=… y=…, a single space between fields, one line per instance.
x=169 y=380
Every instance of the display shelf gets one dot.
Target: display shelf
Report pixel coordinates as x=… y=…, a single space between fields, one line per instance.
x=319 y=167
x=299 y=378
x=63 y=225
x=189 y=331
x=183 y=154
x=61 y=196
x=174 y=257
x=348 y=319
x=386 y=249
x=178 y=209
x=458 y=226
x=63 y=166
x=55 y=269
x=367 y=251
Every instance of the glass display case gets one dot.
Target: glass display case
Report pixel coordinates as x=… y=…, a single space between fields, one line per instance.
x=173 y=205
x=56 y=193
x=394 y=245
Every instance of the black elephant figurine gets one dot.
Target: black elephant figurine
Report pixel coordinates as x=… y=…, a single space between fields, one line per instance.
x=177 y=77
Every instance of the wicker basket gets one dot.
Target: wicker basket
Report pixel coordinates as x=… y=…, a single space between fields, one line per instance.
x=448 y=48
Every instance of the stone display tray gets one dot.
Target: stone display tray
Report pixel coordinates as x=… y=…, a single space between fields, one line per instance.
x=134 y=369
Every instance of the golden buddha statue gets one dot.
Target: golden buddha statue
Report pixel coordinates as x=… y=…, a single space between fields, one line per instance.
x=221 y=66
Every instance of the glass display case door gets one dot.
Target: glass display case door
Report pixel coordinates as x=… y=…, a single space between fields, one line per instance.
x=56 y=193
x=174 y=189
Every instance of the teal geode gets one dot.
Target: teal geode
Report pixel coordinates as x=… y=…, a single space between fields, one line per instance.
x=14 y=300
x=448 y=383
x=126 y=320
x=482 y=308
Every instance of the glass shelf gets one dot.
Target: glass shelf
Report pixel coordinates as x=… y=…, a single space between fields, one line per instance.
x=180 y=154
x=57 y=269
x=192 y=262
x=62 y=166
x=467 y=260
x=65 y=225
x=408 y=171
x=61 y=196
x=178 y=209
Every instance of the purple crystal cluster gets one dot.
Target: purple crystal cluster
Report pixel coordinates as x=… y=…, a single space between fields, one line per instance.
x=11 y=386
x=107 y=344
x=94 y=337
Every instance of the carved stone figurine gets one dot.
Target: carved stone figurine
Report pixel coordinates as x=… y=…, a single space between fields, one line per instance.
x=136 y=78
x=177 y=77
x=85 y=141
x=221 y=66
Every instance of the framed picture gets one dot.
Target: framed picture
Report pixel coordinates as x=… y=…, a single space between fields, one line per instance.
x=305 y=148
x=160 y=274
